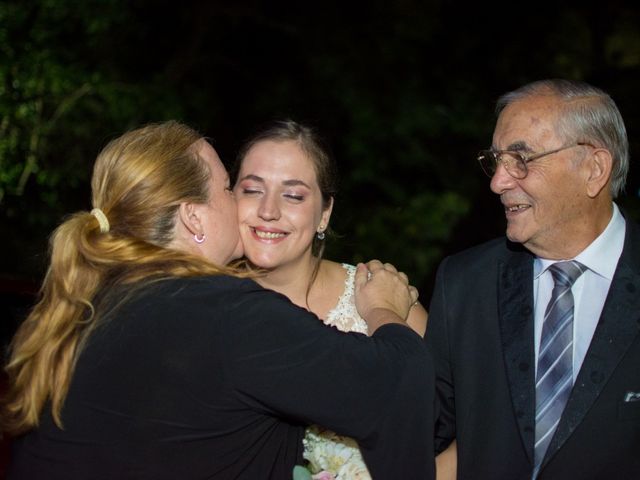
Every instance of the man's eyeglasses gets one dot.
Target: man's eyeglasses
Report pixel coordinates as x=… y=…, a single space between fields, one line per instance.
x=515 y=162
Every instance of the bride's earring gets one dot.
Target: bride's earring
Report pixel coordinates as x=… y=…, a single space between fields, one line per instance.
x=320 y=234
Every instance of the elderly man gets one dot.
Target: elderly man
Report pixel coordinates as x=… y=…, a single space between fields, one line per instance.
x=536 y=336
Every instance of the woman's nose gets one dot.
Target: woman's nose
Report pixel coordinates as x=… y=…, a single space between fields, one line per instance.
x=269 y=209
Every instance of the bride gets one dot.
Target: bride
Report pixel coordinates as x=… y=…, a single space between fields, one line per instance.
x=285 y=188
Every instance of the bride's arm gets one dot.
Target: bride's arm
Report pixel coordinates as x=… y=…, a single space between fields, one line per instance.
x=447 y=462
x=417 y=319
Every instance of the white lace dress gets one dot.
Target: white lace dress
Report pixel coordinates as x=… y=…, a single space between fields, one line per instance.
x=324 y=449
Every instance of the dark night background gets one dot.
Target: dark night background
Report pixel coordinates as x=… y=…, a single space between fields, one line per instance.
x=403 y=92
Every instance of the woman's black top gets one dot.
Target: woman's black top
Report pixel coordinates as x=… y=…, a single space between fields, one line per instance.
x=216 y=377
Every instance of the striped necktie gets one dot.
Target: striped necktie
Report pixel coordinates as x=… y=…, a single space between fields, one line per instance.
x=554 y=378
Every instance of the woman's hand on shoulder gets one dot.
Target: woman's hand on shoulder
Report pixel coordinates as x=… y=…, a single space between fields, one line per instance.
x=382 y=294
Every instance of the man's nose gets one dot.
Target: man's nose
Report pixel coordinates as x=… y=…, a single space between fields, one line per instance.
x=501 y=180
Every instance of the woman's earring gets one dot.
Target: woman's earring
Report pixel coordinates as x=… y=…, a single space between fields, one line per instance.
x=199 y=239
x=320 y=234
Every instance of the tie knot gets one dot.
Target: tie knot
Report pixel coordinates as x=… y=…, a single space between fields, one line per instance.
x=565 y=273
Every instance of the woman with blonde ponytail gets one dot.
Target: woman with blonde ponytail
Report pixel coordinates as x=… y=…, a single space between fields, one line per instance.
x=148 y=357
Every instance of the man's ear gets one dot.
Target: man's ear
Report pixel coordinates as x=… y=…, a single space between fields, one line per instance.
x=190 y=218
x=600 y=166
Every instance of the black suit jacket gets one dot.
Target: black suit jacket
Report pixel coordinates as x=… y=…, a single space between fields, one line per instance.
x=481 y=335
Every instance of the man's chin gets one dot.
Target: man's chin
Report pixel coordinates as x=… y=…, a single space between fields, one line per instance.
x=515 y=235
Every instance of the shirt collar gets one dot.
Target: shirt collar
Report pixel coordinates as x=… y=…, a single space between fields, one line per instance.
x=601 y=256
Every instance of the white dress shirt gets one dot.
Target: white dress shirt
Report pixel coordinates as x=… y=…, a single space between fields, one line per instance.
x=589 y=291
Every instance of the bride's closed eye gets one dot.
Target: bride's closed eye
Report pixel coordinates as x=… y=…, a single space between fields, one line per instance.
x=294 y=196
x=250 y=191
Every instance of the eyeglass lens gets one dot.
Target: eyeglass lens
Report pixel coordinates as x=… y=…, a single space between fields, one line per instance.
x=513 y=163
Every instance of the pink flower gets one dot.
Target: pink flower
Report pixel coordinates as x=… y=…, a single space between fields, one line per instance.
x=324 y=475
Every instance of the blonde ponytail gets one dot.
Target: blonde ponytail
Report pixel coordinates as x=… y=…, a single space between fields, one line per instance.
x=139 y=181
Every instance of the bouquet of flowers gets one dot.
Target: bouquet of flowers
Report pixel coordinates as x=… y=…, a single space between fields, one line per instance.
x=332 y=457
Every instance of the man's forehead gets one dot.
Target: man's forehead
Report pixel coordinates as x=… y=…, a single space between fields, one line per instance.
x=526 y=122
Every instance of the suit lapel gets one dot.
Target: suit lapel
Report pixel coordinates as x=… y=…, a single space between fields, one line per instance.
x=515 y=310
x=616 y=330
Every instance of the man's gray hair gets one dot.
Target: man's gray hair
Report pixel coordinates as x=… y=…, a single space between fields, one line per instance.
x=589 y=115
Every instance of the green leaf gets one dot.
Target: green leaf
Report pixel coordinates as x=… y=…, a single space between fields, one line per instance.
x=301 y=473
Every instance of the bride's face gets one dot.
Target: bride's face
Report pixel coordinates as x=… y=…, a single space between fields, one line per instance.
x=280 y=206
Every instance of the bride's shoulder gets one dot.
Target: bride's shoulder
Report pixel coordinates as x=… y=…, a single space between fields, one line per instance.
x=335 y=273
x=343 y=313
x=331 y=283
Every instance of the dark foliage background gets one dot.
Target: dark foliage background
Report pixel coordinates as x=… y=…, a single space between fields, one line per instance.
x=403 y=91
